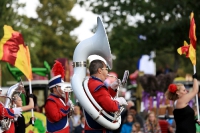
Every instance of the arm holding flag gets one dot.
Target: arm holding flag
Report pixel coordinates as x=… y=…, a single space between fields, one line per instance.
x=190 y=50
x=14 y=51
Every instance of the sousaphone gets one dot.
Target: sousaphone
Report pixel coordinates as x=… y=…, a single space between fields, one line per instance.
x=96 y=45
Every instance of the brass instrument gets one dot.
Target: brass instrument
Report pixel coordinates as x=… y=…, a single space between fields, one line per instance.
x=18 y=88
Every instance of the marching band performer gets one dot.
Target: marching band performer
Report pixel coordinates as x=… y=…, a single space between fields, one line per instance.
x=102 y=95
x=183 y=113
x=55 y=107
x=10 y=114
x=20 y=125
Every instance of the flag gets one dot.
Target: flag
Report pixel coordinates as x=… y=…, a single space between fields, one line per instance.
x=14 y=51
x=192 y=34
x=190 y=49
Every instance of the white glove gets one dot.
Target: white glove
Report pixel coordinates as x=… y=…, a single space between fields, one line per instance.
x=70 y=103
x=15 y=118
x=17 y=111
x=115 y=84
x=121 y=101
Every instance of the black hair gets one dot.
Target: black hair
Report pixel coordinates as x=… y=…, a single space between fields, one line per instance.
x=133 y=107
x=95 y=65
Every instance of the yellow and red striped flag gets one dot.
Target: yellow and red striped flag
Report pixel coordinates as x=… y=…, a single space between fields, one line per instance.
x=192 y=34
x=190 y=50
x=14 y=51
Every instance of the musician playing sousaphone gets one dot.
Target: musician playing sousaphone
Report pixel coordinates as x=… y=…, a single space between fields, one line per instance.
x=102 y=111
x=102 y=94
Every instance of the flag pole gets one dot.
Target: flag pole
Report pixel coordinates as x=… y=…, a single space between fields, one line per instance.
x=197 y=102
x=0 y=75
x=30 y=90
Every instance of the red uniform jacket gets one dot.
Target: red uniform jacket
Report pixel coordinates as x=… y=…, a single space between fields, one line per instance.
x=9 y=113
x=103 y=97
x=56 y=113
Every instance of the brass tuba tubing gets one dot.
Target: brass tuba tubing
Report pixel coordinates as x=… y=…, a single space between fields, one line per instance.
x=96 y=45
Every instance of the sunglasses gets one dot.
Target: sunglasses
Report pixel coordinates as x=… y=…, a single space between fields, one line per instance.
x=104 y=69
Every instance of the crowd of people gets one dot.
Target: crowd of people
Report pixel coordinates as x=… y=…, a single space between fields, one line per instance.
x=65 y=117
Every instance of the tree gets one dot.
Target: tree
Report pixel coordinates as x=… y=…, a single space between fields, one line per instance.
x=55 y=24
x=47 y=36
x=165 y=25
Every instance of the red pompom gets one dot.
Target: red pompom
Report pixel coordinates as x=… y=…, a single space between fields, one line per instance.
x=58 y=69
x=172 y=88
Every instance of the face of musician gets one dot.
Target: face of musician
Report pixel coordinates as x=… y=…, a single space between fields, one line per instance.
x=98 y=69
x=18 y=100
x=104 y=72
x=58 y=91
x=181 y=91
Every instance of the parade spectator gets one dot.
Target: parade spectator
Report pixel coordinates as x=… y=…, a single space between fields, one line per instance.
x=20 y=124
x=102 y=95
x=195 y=117
x=127 y=126
x=138 y=118
x=80 y=127
x=171 y=125
x=136 y=128
x=74 y=120
x=183 y=113
x=124 y=114
x=151 y=124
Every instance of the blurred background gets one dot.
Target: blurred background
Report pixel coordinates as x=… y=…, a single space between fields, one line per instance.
x=144 y=36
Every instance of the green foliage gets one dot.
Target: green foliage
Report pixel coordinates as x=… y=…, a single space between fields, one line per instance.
x=48 y=36
x=164 y=24
x=9 y=15
x=55 y=24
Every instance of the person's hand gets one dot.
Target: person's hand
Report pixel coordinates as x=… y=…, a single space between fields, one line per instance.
x=30 y=95
x=70 y=103
x=17 y=111
x=32 y=121
x=15 y=118
x=115 y=84
x=194 y=76
x=121 y=101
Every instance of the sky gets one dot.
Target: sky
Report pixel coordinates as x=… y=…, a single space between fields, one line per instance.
x=83 y=31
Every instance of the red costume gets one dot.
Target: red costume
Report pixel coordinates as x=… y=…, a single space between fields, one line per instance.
x=103 y=97
x=9 y=113
x=56 y=114
x=11 y=129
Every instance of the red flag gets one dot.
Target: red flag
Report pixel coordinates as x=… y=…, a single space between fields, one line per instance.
x=14 y=51
x=190 y=50
x=192 y=34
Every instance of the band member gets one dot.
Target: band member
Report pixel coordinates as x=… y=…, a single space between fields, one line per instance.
x=20 y=124
x=183 y=113
x=55 y=107
x=102 y=95
x=10 y=114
